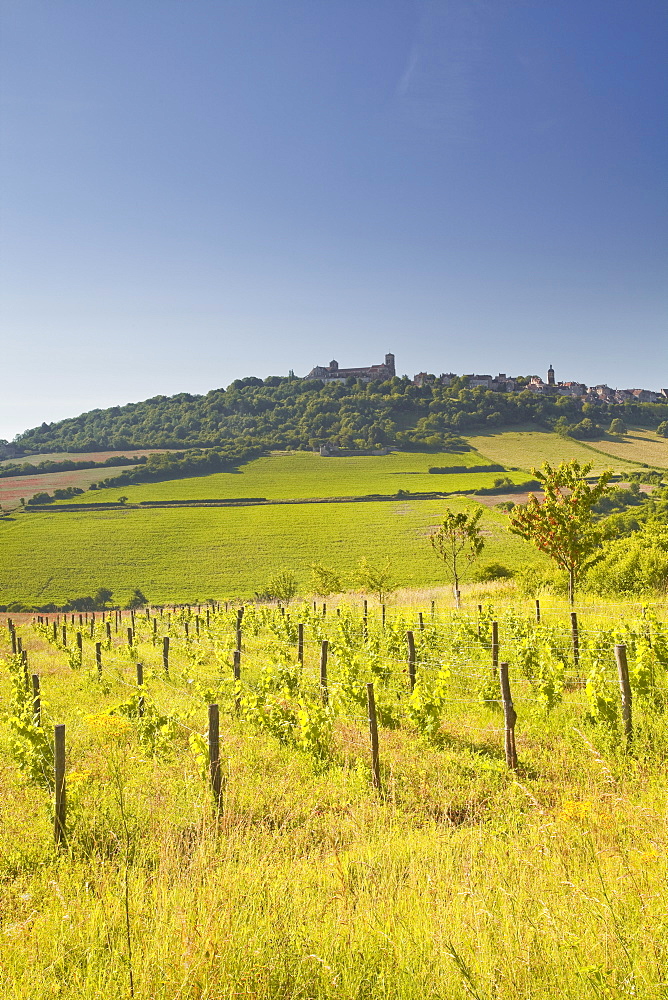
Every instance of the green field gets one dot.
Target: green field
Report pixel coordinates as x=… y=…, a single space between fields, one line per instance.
x=638 y=445
x=293 y=474
x=527 y=448
x=190 y=554
x=184 y=555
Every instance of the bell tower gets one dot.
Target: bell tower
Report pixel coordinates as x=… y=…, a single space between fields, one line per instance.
x=389 y=363
x=550 y=375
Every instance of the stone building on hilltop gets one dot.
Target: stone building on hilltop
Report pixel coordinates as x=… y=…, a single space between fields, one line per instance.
x=369 y=374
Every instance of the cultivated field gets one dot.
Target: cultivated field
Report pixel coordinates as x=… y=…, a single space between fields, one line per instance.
x=196 y=553
x=638 y=445
x=285 y=475
x=457 y=877
x=527 y=448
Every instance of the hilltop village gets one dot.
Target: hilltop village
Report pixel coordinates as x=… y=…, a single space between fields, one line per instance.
x=495 y=383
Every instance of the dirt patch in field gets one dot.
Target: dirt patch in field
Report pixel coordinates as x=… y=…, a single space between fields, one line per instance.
x=84 y=456
x=15 y=487
x=497 y=498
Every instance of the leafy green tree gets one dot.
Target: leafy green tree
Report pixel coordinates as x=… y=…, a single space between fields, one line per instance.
x=662 y=429
x=40 y=498
x=137 y=600
x=375 y=579
x=617 y=426
x=325 y=580
x=562 y=525
x=458 y=542
x=102 y=597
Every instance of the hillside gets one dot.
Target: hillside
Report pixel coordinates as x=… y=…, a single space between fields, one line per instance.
x=279 y=413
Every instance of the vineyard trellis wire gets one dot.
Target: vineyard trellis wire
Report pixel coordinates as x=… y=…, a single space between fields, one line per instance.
x=264 y=665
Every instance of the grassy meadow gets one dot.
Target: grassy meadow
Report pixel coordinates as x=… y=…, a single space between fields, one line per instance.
x=295 y=474
x=460 y=878
x=193 y=554
x=527 y=447
x=638 y=445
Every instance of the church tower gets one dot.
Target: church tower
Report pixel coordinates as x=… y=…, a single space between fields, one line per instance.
x=550 y=375
x=389 y=363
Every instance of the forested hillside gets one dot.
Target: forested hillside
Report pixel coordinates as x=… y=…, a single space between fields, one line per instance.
x=252 y=415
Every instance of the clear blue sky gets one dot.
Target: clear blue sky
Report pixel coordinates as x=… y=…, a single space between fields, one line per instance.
x=198 y=190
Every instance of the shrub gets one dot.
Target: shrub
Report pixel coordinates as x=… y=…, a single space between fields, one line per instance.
x=637 y=563
x=281 y=587
x=40 y=498
x=492 y=571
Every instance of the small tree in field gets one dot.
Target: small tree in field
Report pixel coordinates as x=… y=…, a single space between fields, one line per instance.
x=375 y=579
x=137 y=600
x=458 y=542
x=102 y=597
x=325 y=580
x=282 y=586
x=561 y=524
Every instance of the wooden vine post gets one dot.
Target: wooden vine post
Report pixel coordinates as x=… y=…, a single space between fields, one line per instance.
x=373 y=733
x=165 y=654
x=98 y=659
x=214 y=753
x=495 y=646
x=575 y=635
x=300 y=644
x=140 y=685
x=510 y=717
x=324 y=693
x=36 y=702
x=60 y=812
x=625 y=690
x=236 y=668
x=537 y=611
x=410 y=638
